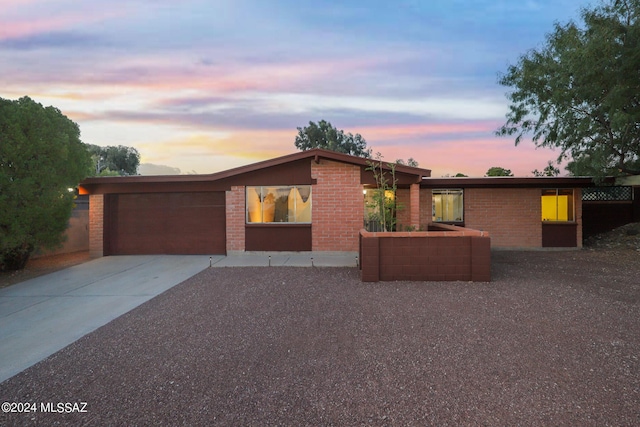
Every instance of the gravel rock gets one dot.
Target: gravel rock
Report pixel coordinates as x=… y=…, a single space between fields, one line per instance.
x=625 y=237
x=554 y=339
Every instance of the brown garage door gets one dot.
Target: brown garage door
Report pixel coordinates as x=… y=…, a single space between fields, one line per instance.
x=165 y=223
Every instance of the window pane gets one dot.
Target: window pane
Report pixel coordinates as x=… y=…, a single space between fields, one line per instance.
x=557 y=205
x=565 y=205
x=269 y=204
x=278 y=204
x=303 y=203
x=447 y=205
x=549 y=206
x=254 y=207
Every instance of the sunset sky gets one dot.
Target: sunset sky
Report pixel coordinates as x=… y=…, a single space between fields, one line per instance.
x=208 y=85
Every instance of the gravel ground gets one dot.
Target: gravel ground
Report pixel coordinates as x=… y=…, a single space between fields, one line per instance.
x=554 y=339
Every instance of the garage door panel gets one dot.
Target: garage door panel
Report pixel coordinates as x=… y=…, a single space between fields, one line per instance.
x=168 y=223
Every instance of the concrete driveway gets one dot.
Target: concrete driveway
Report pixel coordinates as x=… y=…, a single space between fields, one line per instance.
x=40 y=316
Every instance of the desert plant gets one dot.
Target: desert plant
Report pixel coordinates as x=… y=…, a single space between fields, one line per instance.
x=384 y=197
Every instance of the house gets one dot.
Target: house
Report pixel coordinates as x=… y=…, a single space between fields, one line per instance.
x=315 y=201
x=517 y=212
x=307 y=201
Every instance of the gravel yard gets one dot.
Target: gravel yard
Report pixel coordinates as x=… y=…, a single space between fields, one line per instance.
x=554 y=339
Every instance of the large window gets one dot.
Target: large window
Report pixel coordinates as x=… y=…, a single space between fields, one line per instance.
x=279 y=204
x=557 y=204
x=447 y=205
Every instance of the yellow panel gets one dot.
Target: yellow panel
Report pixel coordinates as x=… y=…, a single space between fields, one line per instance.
x=549 y=208
x=563 y=208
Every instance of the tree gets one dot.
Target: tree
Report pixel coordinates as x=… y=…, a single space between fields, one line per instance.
x=409 y=162
x=42 y=160
x=324 y=135
x=549 y=170
x=580 y=92
x=460 y=175
x=498 y=171
x=113 y=160
x=384 y=206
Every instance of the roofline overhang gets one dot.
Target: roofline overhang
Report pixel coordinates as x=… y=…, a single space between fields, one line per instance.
x=315 y=154
x=508 y=182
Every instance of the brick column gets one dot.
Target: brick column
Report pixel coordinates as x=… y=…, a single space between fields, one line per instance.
x=96 y=225
x=577 y=200
x=414 y=206
x=235 y=213
x=337 y=206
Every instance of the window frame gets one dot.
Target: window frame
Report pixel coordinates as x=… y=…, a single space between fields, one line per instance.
x=571 y=210
x=264 y=190
x=447 y=192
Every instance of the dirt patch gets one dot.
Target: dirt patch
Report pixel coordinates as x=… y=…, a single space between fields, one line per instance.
x=554 y=339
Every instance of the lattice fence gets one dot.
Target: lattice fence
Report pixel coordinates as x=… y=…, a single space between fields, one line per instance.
x=607 y=194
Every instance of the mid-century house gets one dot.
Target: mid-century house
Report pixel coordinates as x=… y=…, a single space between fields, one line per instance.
x=315 y=201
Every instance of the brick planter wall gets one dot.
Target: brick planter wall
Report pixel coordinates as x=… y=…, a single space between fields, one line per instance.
x=456 y=254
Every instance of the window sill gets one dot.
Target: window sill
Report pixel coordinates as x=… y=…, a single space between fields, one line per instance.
x=278 y=224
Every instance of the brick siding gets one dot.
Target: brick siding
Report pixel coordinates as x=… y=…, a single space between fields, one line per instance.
x=96 y=225
x=425 y=207
x=511 y=215
x=577 y=200
x=235 y=212
x=337 y=206
x=403 y=215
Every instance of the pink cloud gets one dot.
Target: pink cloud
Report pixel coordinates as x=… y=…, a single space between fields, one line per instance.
x=421 y=130
x=17 y=26
x=473 y=157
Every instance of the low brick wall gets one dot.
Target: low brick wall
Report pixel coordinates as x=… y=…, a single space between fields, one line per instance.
x=445 y=253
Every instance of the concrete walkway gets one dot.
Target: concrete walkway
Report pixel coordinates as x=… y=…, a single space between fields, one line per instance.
x=40 y=316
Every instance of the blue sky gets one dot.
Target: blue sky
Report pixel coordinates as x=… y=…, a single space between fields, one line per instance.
x=209 y=85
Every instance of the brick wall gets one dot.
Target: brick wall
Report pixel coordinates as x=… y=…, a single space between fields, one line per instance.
x=338 y=206
x=414 y=206
x=577 y=200
x=235 y=211
x=426 y=256
x=425 y=207
x=403 y=216
x=96 y=225
x=511 y=215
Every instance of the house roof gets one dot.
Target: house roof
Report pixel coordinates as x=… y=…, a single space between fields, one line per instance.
x=314 y=154
x=508 y=182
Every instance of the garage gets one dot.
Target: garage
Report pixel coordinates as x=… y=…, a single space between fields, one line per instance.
x=190 y=223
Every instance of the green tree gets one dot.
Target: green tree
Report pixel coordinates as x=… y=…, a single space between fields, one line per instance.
x=460 y=175
x=112 y=160
x=549 y=170
x=324 y=135
x=42 y=160
x=498 y=171
x=580 y=91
